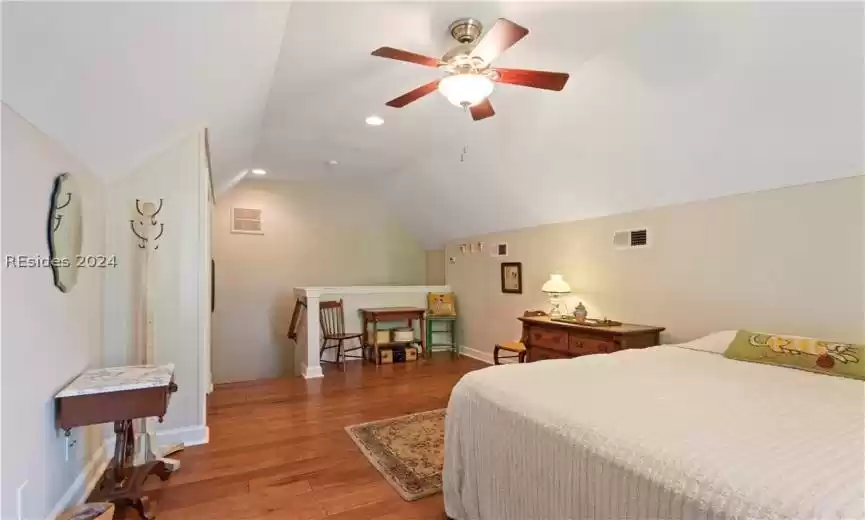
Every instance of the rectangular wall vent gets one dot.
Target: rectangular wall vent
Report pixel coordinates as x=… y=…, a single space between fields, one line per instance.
x=246 y=220
x=631 y=238
x=500 y=249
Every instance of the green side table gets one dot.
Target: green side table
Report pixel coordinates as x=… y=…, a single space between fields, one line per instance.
x=450 y=327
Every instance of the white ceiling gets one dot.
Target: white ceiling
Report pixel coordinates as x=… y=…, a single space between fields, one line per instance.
x=116 y=82
x=667 y=102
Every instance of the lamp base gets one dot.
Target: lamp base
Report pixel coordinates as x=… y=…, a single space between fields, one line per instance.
x=557 y=308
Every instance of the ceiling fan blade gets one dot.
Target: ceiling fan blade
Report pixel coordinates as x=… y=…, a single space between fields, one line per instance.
x=533 y=78
x=501 y=36
x=413 y=95
x=482 y=110
x=401 y=55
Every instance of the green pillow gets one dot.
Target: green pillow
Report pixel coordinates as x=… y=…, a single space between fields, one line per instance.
x=814 y=355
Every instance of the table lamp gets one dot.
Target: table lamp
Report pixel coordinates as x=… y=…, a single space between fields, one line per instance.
x=555 y=288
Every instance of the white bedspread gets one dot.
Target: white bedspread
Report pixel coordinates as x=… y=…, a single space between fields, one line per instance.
x=664 y=432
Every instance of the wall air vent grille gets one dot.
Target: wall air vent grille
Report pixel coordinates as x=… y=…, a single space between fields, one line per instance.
x=246 y=220
x=631 y=238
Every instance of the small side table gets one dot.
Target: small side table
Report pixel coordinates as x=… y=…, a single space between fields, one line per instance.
x=387 y=314
x=119 y=395
x=450 y=328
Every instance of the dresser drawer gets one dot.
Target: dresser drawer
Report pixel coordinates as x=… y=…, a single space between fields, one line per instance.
x=540 y=354
x=551 y=338
x=582 y=345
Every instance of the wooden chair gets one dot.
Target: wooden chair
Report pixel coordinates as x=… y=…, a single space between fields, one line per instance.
x=332 y=317
x=516 y=347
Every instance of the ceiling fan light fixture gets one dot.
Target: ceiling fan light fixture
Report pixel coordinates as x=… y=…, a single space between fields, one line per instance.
x=466 y=89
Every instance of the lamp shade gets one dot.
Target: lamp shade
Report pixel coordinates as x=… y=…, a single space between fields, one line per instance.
x=465 y=89
x=556 y=285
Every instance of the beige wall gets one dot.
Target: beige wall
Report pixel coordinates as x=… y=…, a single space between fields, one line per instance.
x=435 y=267
x=315 y=234
x=787 y=260
x=48 y=337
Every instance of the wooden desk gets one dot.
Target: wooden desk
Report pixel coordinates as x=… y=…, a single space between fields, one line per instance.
x=548 y=339
x=119 y=395
x=389 y=314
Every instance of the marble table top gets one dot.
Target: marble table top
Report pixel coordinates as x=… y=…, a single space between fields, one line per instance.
x=117 y=379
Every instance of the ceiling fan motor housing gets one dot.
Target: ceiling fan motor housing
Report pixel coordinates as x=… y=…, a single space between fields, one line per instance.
x=466 y=30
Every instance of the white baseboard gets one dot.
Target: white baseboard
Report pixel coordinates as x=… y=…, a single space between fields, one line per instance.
x=85 y=481
x=95 y=467
x=480 y=355
x=190 y=436
x=310 y=372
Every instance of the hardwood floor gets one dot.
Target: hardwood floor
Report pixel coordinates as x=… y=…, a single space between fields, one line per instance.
x=278 y=449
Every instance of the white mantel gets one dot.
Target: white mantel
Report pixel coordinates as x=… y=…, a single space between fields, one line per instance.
x=354 y=297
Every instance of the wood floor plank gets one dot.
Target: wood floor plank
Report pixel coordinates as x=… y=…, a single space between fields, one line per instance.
x=279 y=451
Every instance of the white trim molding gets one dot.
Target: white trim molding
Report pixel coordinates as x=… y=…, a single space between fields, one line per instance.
x=189 y=436
x=85 y=481
x=315 y=292
x=311 y=372
x=480 y=355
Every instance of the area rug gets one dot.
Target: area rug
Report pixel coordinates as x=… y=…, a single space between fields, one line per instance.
x=408 y=451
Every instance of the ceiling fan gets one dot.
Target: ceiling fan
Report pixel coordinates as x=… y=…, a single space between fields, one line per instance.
x=470 y=79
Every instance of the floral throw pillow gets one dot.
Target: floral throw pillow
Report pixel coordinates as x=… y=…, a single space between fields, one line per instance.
x=815 y=355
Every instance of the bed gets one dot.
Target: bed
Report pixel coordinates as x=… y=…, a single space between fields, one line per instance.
x=672 y=432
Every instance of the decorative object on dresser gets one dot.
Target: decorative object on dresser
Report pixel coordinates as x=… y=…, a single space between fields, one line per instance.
x=332 y=317
x=580 y=313
x=512 y=277
x=378 y=315
x=516 y=347
x=555 y=288
x=120 y=395
x=546 y=338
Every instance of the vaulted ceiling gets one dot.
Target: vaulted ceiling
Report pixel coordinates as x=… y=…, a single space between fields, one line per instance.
x=667 y=102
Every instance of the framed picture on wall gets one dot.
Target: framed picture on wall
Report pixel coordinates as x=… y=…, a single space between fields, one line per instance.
x=512 y=277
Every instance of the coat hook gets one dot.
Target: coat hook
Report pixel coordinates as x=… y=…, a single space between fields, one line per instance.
x=161 y=230
x=68 y=200
x=143 y=239
x=153 y=217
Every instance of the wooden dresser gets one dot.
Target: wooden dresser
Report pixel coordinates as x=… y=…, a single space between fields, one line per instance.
x=548 y=339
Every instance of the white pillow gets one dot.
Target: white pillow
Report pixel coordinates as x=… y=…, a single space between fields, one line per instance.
x=716 y=342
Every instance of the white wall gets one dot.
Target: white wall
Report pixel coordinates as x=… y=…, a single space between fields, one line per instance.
x=314 y=234
x=788 y=260
x=179 y=280
x=48 y=337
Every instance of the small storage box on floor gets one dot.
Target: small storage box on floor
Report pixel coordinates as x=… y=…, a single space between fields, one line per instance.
x=383 y=336
x=403 y=334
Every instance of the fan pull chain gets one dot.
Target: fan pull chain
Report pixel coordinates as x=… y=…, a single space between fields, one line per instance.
x=464 y=152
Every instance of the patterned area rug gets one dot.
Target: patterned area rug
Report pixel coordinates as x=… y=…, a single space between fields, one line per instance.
x=408 y=451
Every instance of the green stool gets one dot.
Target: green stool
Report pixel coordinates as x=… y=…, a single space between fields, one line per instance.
x=450 y=328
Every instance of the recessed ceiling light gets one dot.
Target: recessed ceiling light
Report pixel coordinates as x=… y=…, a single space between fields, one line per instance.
x=333 y=162
x=258 y=171
x=374 y=121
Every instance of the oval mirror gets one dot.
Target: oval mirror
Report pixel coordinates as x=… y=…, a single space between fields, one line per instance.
x=64 y=232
